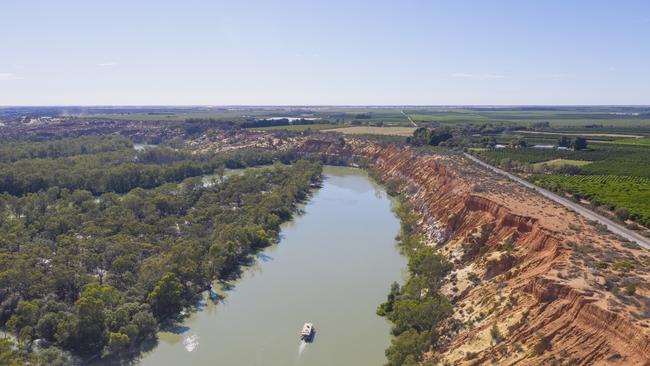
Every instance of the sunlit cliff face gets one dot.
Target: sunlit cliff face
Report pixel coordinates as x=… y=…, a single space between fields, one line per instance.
x=521 y=262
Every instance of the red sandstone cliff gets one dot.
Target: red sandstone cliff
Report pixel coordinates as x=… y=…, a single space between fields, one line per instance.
x=559 y=291
x=546 y=295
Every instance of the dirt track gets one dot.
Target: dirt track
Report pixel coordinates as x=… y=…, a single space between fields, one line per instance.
x=611 y=225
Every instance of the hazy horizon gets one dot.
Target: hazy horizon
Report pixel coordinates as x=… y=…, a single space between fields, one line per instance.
x=325 y=105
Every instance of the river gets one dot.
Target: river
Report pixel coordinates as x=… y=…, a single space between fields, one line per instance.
x=333 y=265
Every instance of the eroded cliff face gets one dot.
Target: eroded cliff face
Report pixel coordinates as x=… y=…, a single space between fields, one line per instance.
x=558 y=290
x=520 y=263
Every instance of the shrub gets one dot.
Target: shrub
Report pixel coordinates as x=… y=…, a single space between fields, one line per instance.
x=508 y=245
x=542 y=345
x=495 y=333
x=622 y=213
x=473 y=278
x=623 y=266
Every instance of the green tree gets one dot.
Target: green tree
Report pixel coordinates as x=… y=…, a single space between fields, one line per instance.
x=46 y=326
x=24 y=320
x=419 y=315
x=387 y=307
x=622 y=213
x=438 y=135
x=9 y=356
x=579 y=143
x=146 y=324
x=90 y=333
x=165 y=298
x=564 y=141
x=425 y=136
x=408 y=346
x=118 y=343
x=430 y=265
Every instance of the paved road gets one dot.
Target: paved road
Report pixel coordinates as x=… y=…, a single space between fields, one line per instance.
x=611 y=225
x=409 y=118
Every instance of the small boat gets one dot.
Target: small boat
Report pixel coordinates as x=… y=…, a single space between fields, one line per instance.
x=307 y=332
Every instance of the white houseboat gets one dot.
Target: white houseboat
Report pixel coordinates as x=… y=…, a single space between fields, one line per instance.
x=307 y=332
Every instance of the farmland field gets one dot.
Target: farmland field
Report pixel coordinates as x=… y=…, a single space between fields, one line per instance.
x=632 y=193
x=313 y=127
x=585 y=119
x=634 y=141
x=637 y=166
x=369 y=130
x=608 y=158
x=614 y=173
x=601 y=121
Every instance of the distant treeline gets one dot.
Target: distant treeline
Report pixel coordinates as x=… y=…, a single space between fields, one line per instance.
x=118 y=171
x=13 y=151
x=196 y=126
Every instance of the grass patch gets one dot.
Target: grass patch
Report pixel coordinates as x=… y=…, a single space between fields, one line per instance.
x=562 y=162
x=370 y=130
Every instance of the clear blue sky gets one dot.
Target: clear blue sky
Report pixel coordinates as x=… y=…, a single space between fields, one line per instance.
x=324 y=52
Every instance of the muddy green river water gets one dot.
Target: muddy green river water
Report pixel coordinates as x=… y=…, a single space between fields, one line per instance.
x=333 y=265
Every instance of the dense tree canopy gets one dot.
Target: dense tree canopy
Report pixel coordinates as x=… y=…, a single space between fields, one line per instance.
x=95 y=273
x=114 y=168
x=10 y=152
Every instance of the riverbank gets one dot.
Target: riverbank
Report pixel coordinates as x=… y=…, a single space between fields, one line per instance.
x=518 y=285
x=531 y=281
x=332 y=266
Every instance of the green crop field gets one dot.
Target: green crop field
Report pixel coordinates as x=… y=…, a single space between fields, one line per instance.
x=645 y=141
x=632 y=193
x=612 y=173
x=607 y=158
x=579 y=119
x=634 y=166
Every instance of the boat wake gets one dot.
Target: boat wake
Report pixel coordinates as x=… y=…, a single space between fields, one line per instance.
x=302 y=347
